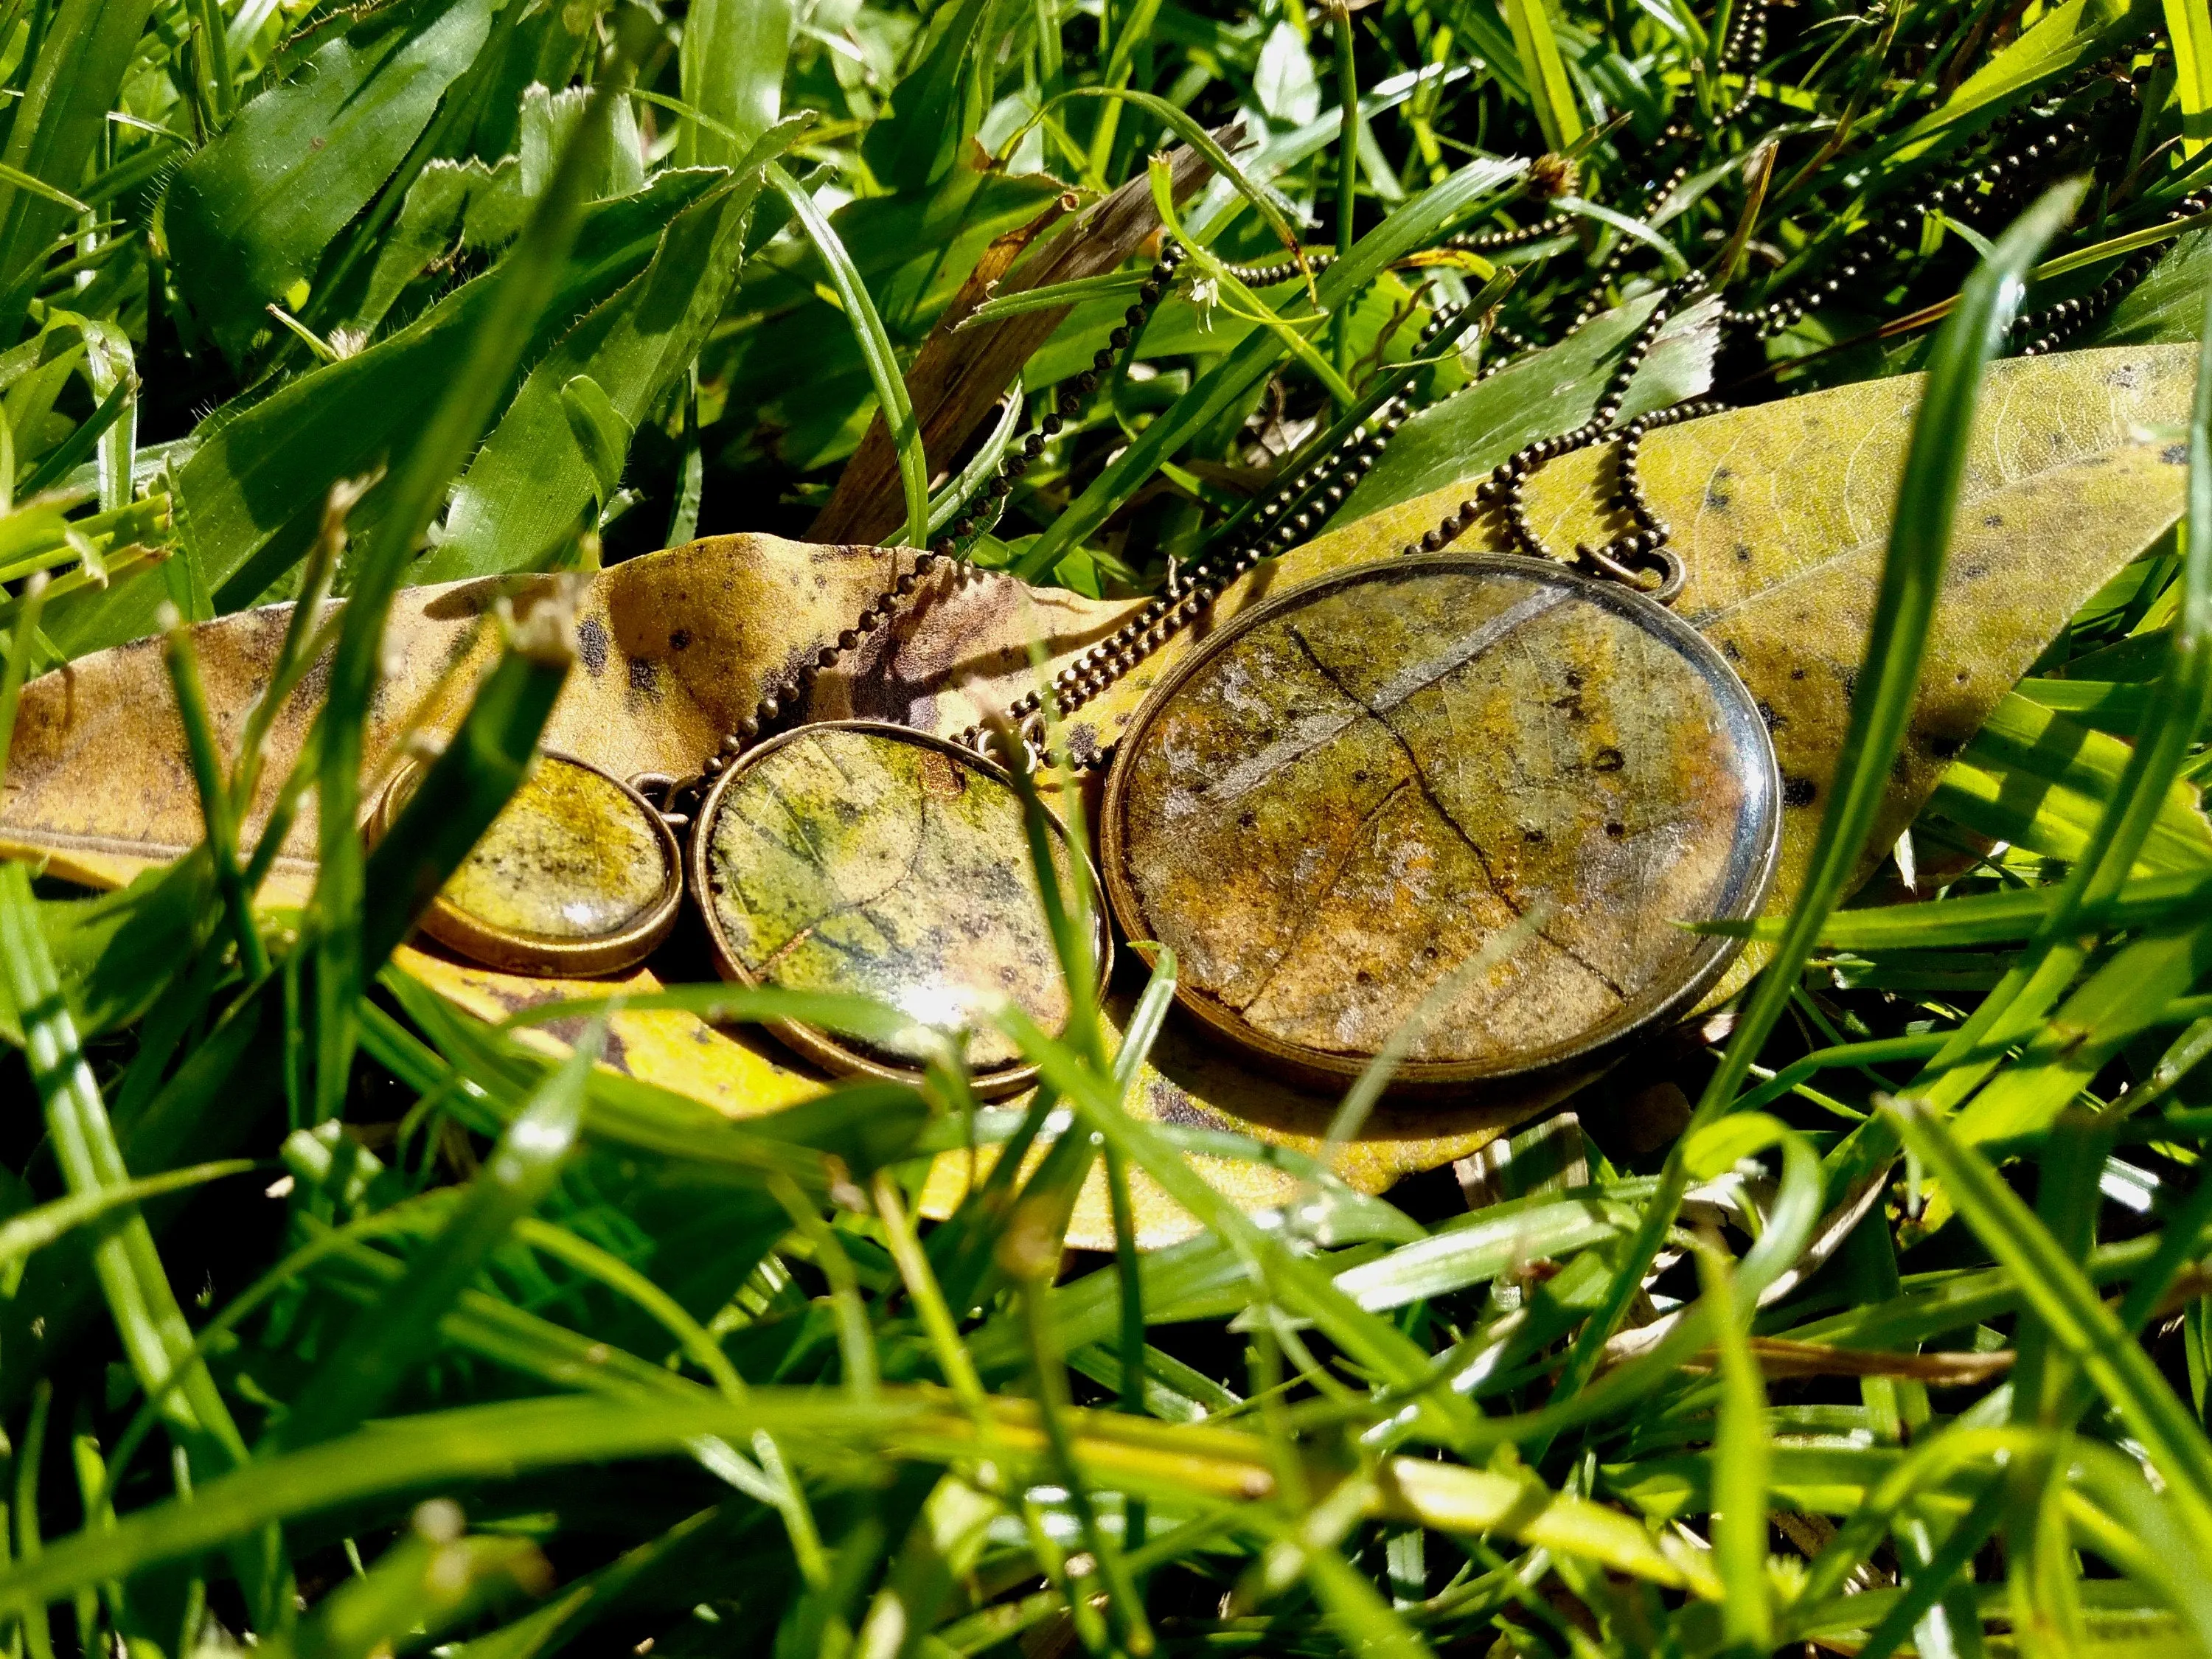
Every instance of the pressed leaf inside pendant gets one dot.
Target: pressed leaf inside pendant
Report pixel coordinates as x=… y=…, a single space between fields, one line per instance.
x=576 y=874
x=860 y=857
x=1340 y=804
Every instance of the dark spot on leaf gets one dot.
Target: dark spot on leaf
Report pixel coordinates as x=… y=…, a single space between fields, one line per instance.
x=643 y=676
x=1743 y=553
x=592 y=646
x=1850 y=684
x=1246 y=821
x=1797 y=673
x=1993 y=520
x=1607 y=760
x=1532 y=835
x=680 y=639
x=1574 y=678
x=1731 y=650
x=1974 y=572
x=612 y=1050
x=1180 y=1109
x=2175 y=454
x=1616 y=831
x=1799 y=792
x=1943 y=748
x=1774 y=722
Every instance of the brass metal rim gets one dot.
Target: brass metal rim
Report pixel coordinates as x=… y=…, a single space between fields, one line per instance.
x=816 y=1045
x=1756 y=849
x=514 y=952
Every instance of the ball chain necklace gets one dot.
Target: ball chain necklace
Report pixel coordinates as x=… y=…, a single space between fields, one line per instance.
x=1329 y=810
x=1311 y=758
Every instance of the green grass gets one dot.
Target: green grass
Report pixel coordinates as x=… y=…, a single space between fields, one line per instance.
x=331 y=1316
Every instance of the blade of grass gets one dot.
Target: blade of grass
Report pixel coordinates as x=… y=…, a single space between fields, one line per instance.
x=385 y=1342
x=424 y=1584
x=945 y=506
x=530 y=275
x=731 y=1004
x=1739 y=1466
x=22 y=640
x=1191 y=1466
x=1419 y=223
x=1629 y=226
x=2016 y=1011
x=35 y=1229
x=1052 y=297
x=2077 y=1319
x=1271 y=206
x=875 y=344
x=856 y=1338
x=304 y=632
x=73 y=70
x=1988 y=918
x=34 y=1627
x=463 y=790
x=1299 y=1284
x=1347 y=160
x=1238 y=299
x=1551 y=91
x=220 y=832
x=2189 y=31
x=1920 y=536
x=152 y=1327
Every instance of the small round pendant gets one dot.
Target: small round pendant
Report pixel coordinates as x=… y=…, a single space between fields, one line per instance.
x=1334 y=806
x=856 y=856
x=577 y=875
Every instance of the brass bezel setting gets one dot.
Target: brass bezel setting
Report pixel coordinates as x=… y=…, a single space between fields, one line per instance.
x=512 y=952
x=818 y=1046
x=1759 y=836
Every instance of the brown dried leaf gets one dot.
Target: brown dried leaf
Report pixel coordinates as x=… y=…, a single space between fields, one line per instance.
x=955 y=383
x=1780 y=513
x=1778 y=1357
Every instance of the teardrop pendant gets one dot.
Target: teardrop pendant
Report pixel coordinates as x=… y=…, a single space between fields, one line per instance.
x=856 y=856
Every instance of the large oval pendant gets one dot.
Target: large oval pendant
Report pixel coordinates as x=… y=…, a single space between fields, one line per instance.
x=577 y=875
x=1335 y=809
x=862 y=857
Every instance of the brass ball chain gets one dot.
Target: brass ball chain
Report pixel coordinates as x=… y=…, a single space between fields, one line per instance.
x=2044 y=332
x=1641 y=549
x=1297 y=508
x=1289 y=518
x=785 y=693
x=1897 y=235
